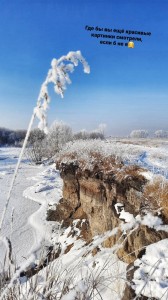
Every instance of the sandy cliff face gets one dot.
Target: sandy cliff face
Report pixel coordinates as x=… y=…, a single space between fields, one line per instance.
x=94 y=195
x=100 y=195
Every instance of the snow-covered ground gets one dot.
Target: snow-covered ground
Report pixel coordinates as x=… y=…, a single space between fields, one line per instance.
x=38 y=186
x=27 y=229
x=149 y=154
x=42 y=185
x=151 y=277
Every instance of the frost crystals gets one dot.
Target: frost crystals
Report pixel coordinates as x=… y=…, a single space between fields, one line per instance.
x=58 y=75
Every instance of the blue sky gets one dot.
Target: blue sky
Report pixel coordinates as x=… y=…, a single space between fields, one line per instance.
x=127 y=88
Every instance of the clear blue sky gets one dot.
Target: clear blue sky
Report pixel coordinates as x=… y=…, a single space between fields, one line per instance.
x=127 y=88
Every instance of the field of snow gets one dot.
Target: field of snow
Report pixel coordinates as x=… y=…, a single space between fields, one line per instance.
x=35 y=186
x=25 y=224
x=149 y=154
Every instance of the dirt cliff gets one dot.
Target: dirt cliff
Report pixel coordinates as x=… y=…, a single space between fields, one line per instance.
x=94 y=195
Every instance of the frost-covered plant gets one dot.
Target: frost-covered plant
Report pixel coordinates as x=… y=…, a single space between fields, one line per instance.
x=36 y=145
x=139 y=134
x=98 y=133
x=59 y=134
x=83 y=150
x=84 y=135
x=161 y=134
x=58 y=75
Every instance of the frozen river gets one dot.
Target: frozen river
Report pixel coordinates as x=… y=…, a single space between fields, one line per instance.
x=20 y=232
x=41 y=186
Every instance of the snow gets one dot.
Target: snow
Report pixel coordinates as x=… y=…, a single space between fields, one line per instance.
x=47 y=191
x=153 y=159
x=151 y=221
x=29 y=225
x=21 y=235
x=81 y=270
x=13 y=178
x=148 y=220
x=58 y=74
x=38 y=187
x=126 y=216
x=118 y=206
x=148 y=175
x=151 y=277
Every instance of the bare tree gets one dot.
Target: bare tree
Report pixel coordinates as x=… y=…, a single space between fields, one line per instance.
x=96 y=135
x=101 y=128
x=139 y=134
x=59 y=134
x=81 y=135
x=161 y=134
x=36 y=146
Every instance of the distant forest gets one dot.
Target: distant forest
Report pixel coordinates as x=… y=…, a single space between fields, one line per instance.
x=11 y=137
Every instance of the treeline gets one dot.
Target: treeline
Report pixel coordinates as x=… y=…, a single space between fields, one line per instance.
x=11 y=137
x=145 y=134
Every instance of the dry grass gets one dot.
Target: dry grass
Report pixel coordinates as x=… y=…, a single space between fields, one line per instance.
x=62 y=284
x=55 y=282
x=110 y=167
x=128 y=173
x=97 y=162
x=157 y=194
